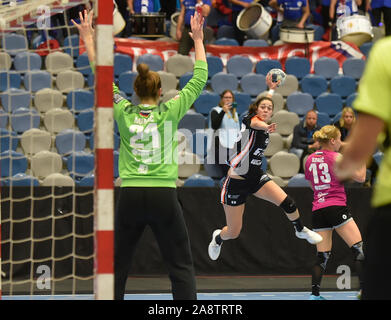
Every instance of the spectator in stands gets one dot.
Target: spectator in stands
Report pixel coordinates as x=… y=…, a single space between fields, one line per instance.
x=186 y=42
x=374 y=106
x=302 y=142
x=225 y=120
x=341 y=8
x=345 y=123
x=377 y=7
x=148 y=173
x=237 y=7
x=329 y=209
x=295 y=12
x=141 y=6
x=246 y=177
x=224 y=7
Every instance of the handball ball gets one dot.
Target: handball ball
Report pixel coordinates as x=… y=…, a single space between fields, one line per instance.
x=277 y=74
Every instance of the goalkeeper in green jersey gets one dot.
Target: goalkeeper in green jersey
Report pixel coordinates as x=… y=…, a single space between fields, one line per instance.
x=148 y=167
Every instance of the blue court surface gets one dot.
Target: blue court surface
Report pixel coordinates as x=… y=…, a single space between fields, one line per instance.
x=329 y=295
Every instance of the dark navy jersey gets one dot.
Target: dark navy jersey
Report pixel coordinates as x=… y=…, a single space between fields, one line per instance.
x=248 y=161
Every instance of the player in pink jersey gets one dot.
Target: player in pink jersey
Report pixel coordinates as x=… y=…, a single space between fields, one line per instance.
x=329 y=209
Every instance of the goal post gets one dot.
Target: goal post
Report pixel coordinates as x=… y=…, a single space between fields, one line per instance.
x=57 y=151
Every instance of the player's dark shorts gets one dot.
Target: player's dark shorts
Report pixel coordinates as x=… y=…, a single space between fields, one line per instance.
x=329 y=218
x=236 y=191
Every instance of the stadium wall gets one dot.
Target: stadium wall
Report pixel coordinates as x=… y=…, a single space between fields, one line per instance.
x=266 y=246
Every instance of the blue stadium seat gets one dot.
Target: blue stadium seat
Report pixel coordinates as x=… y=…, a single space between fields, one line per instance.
x=185 y=79
x=343 y=85
x=299 y=103
x=253 y=83
x=154 y=61
x=215 y=65
x=298 y=66
x=9 y=140
x=326 y=67
x=239 y=65
x=353 y=67
x=226 y=42
x=24 y=119
x=192 y=122
x=314 y=84
x=90 y=80
x=225 y=31
x=265 y=65
x=79 y=100
x=87 y=181
x=298 y=180
x=243 y=100
x=85 y=120
x=222 y=81
x=21 y=180
x=37 y=80
x=12 y=162
x=206 y=101
x=365 y=48
x=126 y=81
x=70 y=140
x=330 y=103
x=83 y=64
x=200 y=143
x=323 y=119
x=255 y=43
x=71 y=45
x=14 y=43
x=3 y=119
x=26 y=61
x=349 y=100
x=80 y=163
x=9 y=79
x=122 y=63
x=198 y=180
x=337 y=117
x=13 y=99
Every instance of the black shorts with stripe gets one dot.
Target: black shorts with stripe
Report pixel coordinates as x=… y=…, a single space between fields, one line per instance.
x=236 y=191
x=329 y=218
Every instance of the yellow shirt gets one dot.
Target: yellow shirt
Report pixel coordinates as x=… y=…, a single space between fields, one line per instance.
x=374 y=98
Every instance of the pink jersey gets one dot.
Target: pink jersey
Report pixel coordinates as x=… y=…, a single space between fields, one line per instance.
x=328 y=191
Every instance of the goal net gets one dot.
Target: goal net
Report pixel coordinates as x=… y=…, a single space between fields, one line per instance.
x=56 y=184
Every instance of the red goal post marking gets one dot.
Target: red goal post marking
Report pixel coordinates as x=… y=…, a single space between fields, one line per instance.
x=104 y=133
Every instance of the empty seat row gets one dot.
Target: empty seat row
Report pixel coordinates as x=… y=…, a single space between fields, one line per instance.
x=36 y=80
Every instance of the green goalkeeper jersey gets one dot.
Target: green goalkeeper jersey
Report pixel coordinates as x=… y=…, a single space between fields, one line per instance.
x=148 y=150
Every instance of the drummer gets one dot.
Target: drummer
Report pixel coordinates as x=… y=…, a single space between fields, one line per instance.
x=141 y=6
x=188 y=8
x=345 y=8
x=295 y=12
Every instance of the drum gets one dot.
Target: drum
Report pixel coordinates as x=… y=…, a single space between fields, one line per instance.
x=151 y=24
x=356 y=29
x=174 y=22
x=118 y=21
x=255 y=21
x=296 y=35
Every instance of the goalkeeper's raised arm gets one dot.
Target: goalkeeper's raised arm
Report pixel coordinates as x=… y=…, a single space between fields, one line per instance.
x=86 y=32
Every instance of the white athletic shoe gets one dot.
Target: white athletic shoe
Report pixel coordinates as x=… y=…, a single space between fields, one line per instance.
x=309 y=235
x=214 y=248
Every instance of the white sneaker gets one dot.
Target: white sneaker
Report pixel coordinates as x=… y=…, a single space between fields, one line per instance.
x=309 y=235
x=214 y=248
